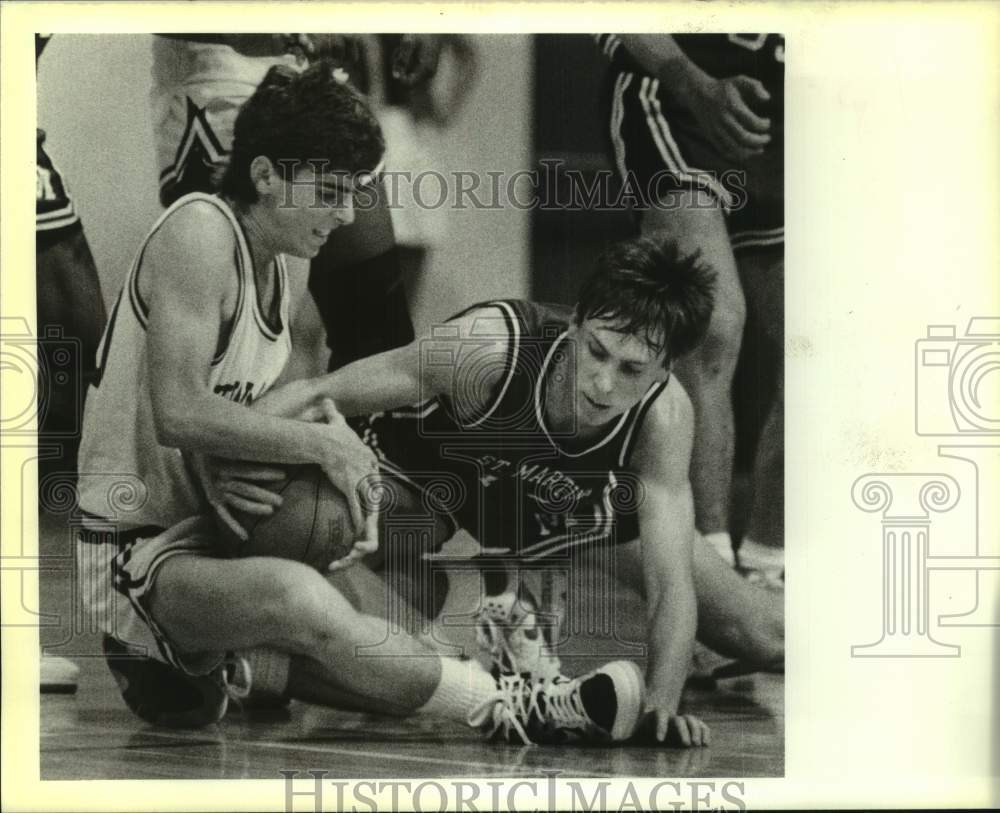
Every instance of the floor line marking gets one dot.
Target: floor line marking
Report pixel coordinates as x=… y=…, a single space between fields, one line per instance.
x=290 y=746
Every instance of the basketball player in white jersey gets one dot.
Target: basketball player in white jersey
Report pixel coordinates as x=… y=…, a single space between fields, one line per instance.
x=199 y=331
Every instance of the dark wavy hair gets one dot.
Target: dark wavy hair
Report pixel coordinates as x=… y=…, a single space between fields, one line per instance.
x=648 y=288
x=295 y=118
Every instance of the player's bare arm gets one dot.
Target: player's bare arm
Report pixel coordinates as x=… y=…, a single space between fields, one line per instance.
x=476 y=342
x=722 y=106
x=188 y=280
x=666 y=531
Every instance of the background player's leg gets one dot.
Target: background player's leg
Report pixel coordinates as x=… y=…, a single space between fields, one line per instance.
x=357 y=282
x=735 y=618
x=762 y=549
x=695 y=220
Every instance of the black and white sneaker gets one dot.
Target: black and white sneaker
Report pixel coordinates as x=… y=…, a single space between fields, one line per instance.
x=602 y=706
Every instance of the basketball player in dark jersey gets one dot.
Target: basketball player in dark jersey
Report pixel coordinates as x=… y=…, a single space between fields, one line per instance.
x=542 y=431
x=697 y=129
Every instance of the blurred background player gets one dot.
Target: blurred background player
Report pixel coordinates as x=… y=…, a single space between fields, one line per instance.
x=69 y=309
x=198 y=333
x=697 y=128
x=199 y=83
x=414 y=118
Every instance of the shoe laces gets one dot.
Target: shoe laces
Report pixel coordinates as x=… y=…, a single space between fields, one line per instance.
x=563 y=704
x=510 y=709
x=522 y=703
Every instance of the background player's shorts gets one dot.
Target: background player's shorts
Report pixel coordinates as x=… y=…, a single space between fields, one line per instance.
x=659 y=148
x=118 y=571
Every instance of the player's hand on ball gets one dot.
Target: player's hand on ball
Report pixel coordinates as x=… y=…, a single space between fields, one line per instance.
x=234 y=484
x=723 y=109
x=243 y=486
x=353 y=469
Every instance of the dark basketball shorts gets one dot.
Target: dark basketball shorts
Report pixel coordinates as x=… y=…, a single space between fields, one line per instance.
x=658 y=148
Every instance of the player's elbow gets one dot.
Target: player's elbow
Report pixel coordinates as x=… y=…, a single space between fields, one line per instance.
x=169 y=427
x=172 y=423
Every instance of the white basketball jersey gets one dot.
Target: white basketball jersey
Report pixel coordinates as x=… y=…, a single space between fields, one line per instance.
x=125 y=474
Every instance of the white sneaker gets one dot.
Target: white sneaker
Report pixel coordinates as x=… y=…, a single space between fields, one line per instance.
x=602 y=706
x=58 y=675
x=507 y=630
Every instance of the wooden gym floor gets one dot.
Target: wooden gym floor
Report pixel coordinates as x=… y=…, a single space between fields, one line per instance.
x=92 y=735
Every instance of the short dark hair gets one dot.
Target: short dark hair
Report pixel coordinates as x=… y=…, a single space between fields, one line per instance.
x=650 y=289
x=293 y=118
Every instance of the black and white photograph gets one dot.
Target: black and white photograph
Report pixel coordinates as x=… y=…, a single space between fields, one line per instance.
x=404 y=411
x=543 y=524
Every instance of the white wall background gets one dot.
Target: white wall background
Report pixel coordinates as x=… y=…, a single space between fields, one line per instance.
x=93 y=103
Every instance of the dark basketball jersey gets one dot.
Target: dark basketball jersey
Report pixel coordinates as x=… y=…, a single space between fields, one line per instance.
x=503 y=474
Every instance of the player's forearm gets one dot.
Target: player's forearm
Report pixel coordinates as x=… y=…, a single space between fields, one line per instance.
x=210 y=424
x=673 y=623
x=660 y=56
x=384 y=381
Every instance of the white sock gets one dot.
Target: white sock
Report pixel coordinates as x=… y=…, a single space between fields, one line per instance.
x=268 y=670
x=755 y=556
x=723 y=546
x=464 y=685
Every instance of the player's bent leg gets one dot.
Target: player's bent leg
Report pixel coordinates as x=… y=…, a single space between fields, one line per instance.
x=690 y=218
x=208 y=605
x=735 y=618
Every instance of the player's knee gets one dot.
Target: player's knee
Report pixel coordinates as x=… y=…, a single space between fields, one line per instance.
x=303 y=608
x=288 y=593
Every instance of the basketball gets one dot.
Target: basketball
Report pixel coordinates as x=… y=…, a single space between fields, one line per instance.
x=312 y=526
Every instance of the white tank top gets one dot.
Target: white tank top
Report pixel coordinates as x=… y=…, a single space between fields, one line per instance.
x=125 y=475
